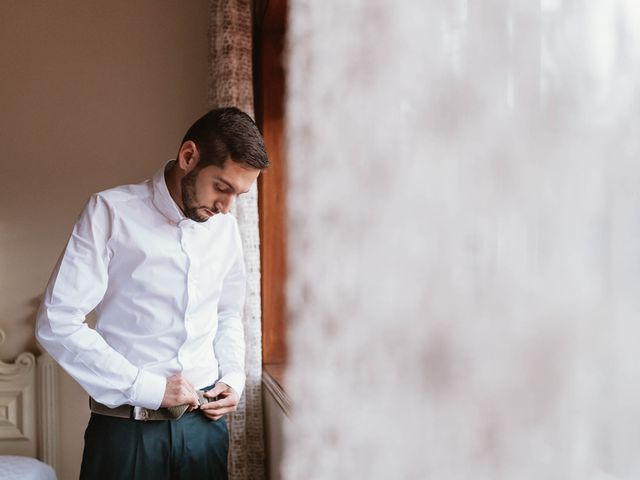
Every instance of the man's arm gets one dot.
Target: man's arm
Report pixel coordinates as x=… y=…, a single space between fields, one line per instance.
x=228 y=345
x=77 y=285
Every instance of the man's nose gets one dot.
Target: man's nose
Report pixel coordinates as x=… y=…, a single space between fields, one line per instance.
x=224 y=205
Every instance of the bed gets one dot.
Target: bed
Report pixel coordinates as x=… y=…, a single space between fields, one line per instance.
x=28 y=420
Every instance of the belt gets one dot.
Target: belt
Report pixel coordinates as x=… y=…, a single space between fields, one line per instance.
x=144 y=414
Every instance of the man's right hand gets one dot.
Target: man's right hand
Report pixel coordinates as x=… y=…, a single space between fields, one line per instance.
x=179 y=391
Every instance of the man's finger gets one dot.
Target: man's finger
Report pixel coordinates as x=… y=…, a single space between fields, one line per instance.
x=217 y=390
x=187 y=397
x=223 y=402
x=214 y=417
x=218 y=412
x=215 y=407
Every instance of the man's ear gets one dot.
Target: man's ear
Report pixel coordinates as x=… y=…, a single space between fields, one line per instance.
x=188 y=156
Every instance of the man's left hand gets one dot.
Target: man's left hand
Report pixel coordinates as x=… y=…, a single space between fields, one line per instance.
x=227 y=401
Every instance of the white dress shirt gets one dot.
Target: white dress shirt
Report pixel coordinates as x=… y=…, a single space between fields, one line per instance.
x=168 y=294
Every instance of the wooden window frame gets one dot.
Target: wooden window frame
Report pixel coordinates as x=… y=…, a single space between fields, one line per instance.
x=270 y=18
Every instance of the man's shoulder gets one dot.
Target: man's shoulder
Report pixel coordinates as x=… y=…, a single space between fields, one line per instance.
x=222 y=222
x=124 y=194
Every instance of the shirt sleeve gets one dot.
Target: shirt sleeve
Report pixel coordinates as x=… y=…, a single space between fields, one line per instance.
x=228 y=345
x=77 y=285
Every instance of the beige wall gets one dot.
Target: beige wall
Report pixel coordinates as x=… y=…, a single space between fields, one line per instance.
x=92 y=95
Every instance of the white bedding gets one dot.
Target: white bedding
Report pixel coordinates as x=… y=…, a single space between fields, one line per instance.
x=24 y=468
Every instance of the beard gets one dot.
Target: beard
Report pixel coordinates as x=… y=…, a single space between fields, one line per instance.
x=189 y=198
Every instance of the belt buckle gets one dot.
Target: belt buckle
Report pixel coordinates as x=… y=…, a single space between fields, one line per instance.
x=140 y=413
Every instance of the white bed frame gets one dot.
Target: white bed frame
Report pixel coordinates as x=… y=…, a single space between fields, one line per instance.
x=28 y=407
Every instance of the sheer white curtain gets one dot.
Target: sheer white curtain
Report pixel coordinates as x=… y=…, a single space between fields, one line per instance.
x=464 y=259
x=230 y=84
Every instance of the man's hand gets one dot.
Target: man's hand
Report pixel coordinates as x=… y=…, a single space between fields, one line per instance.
x=227 y=401
x=179 y=391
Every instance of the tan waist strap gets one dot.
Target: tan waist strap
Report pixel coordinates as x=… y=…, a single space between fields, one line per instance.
x=141 y=413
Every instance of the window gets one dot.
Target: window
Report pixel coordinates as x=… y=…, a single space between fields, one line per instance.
x=269 y=88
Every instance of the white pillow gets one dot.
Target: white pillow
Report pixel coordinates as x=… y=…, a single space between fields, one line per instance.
x=24 y=468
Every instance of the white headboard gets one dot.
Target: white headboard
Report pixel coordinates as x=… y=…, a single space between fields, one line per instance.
x=28 y=407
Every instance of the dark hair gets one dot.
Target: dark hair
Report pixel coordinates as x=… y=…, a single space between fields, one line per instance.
x=225 y=133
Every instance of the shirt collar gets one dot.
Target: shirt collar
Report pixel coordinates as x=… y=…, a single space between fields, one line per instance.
x=165 y=204
x=162 y=198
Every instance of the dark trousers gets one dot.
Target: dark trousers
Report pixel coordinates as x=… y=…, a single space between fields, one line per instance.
x=192 y=447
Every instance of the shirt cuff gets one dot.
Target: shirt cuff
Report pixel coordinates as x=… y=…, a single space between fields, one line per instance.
x=148 y=390
x=235 y=380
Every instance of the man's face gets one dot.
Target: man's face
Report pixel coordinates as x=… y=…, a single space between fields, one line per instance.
x=210 y=190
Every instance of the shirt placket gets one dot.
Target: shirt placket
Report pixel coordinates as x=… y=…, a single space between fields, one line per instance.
x=188 y=233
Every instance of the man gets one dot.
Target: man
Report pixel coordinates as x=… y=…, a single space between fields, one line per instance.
x=162 y=265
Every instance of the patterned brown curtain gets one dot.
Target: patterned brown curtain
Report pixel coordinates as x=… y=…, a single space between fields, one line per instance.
x=230 y=84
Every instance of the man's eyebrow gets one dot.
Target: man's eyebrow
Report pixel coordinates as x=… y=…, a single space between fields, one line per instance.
x=230 y=185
